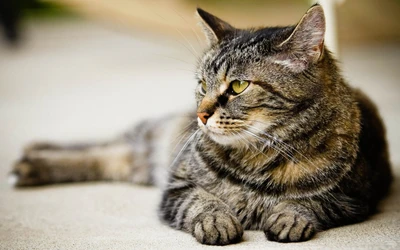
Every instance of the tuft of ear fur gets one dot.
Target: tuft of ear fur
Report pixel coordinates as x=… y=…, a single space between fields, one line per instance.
x=305 y=45
x=214 y=28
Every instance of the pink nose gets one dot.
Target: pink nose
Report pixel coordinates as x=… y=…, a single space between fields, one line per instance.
x=203 y=117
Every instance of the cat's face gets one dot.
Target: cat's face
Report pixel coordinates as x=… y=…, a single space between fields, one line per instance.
x=252 y=80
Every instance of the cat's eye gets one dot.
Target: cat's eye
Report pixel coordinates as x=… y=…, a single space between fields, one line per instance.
x=239 y=86
x=203 y=89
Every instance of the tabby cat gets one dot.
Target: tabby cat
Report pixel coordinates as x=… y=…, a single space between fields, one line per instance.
x=280 y=143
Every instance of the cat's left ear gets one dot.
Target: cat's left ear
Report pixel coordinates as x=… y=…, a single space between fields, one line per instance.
x=214 y=28
x=305 y=45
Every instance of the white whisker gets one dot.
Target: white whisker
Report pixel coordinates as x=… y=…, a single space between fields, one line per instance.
x=184 y=148
x=181 y=135
x=193 y=51
x=273 y=139
x=284 y=154
x=285 y=145
x=177 y=59
x=186 y=22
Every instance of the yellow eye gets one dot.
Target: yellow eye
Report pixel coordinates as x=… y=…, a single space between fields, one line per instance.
x=203 y=89
x=239 y=86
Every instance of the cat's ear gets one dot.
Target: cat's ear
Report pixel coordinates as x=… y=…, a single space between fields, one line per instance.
x=305 y=45
x=214 y=28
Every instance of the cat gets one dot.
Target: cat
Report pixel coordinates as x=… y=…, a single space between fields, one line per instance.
x=280 y=142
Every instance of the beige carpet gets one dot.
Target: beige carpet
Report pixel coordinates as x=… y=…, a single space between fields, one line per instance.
x=76 y=80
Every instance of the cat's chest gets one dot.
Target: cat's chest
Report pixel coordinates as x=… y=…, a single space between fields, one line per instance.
x=251 y=207
x=245 y=163
x=243 y=169
x=233 y=176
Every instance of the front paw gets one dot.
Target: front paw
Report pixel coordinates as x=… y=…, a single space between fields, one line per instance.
x=217 y=228
x=289 y=227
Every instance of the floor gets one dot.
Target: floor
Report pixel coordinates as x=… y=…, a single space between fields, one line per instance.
x=78 y=80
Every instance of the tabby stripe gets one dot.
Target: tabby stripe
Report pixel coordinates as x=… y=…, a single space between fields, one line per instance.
x=328 y=214
x=243 y=220
x=185 y=211
x=274 y=163
x=309 y=76
x=268 y=106
x=305 y=230
x=273 y=223
x=313 y=127
x=219 y=61
x=236 y=227
x=316 y=214
x=254 y=216
x=296 y=221
x=300 y=107
x=327 y=177
x=302 y=115
x=175 y=209
x=167 y=212
x=338 y=213
x=216 y=229
x=238 y=212
x=275 y=92
x=224 y=173
x=177 y=191
x=170 y=197
x=228 y=67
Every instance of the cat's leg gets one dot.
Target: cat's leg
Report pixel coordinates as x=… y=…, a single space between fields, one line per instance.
x=140 y=156
x=290 y=222
x=190 y=208
x=48 y=163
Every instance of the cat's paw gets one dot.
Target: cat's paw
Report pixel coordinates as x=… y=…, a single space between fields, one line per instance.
x=217 y=228
x=28 y=172
x=289 y=227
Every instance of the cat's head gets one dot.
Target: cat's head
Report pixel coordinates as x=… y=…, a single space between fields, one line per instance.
x=251 y=80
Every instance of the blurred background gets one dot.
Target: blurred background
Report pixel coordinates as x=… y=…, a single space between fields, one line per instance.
x=73 y=70
x=82 y=69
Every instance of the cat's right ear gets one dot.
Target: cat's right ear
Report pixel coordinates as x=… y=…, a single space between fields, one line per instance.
x=214 y=28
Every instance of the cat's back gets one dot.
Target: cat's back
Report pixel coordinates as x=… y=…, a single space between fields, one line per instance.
x=373 y=157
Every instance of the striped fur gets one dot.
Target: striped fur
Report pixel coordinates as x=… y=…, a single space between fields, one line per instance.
x=297 y=152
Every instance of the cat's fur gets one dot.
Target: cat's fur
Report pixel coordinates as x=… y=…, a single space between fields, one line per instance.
x=297 y=152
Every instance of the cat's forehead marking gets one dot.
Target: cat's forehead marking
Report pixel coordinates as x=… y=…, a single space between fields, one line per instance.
x=222 y=77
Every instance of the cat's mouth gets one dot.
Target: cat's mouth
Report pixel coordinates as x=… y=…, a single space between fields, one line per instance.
x=222 y=132
x=234 y=132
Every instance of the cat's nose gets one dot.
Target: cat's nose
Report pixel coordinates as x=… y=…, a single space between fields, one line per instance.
x=203 y=117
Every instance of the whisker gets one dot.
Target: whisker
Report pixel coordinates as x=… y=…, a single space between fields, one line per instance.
x=250 y=143
x=284 y=154
x=181 y=135
x=270 y=158
x=190 y=44
x=195 y=54
x=186 y=22
x=177 y=59
x=275 y=140
x=257 y=149
x=169 y=70
x=184 y=148
x=287 y=146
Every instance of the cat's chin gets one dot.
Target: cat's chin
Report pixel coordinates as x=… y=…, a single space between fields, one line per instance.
x=227 y=140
